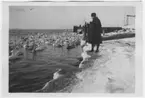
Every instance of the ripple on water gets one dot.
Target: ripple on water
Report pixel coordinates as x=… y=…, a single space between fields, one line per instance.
x=28 y=75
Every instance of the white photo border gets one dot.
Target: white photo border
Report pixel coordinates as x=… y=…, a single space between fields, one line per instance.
x=138 y=51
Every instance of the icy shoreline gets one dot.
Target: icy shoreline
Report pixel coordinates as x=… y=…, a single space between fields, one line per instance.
x=112 y=72
x=108 y=71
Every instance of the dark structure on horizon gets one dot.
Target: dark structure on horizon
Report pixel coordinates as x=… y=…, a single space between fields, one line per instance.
x=77 y=29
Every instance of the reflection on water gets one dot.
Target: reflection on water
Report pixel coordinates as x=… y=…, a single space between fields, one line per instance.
x=35 y=69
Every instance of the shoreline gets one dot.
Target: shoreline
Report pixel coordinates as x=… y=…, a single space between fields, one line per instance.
x=114 y=80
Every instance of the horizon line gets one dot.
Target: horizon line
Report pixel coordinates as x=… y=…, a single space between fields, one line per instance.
x=37 y=29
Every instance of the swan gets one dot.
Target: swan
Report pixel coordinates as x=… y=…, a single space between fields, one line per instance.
x=12 y=54
x=15 y=55
x=49 y=85
x=40 y=48
x=83 y=44
x=58 y=73
x=85 y=57
x=24 y=46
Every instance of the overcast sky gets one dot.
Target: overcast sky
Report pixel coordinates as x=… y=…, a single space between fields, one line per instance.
x=64 y=17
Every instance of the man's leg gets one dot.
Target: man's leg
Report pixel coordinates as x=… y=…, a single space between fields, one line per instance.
x=92 y=48
x=97 y=47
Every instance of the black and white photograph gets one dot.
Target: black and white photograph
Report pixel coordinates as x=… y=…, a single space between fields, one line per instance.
x=72 y=48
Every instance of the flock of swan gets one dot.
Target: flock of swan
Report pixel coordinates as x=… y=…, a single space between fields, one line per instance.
x=40 y=41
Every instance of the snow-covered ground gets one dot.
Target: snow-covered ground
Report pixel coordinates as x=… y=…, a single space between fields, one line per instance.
x=112 y=70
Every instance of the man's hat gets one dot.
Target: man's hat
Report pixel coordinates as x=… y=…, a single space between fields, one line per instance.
x=93 y=14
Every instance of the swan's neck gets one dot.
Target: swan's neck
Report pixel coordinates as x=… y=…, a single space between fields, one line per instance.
x=12 y=53
x=56 y=75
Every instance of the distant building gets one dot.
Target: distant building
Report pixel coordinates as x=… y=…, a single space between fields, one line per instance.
x=129 y=22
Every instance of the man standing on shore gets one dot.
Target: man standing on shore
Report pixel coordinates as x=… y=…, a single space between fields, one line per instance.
x=94 y=34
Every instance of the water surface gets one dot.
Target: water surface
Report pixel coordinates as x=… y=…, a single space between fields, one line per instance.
x=30 y=73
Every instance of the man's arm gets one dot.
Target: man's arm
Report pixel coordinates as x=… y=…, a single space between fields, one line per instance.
x=100 y=25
